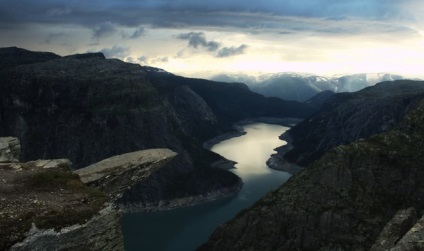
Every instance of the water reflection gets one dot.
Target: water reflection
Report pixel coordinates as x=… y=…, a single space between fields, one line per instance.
x=187 y=228
x=252 y=150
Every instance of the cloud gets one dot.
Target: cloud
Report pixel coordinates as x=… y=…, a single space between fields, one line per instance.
x=138 y=33
x=142 y=59
x=160 y=60
x=235 y=15
x=231 y=51
x=198 y=39
x=146 y=61
x=59 y=12
x=54 y=36
x=193 y=12
x=104 y=30
x=116 y=52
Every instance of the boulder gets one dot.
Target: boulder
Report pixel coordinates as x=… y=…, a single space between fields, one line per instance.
x=413 y=239
x=395 y=229
x=10 y=149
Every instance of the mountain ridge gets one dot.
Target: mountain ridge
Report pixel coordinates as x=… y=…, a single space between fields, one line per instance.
x=347 y=117
x=303 y=86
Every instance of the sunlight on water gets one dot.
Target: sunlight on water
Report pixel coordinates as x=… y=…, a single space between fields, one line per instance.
x=251 y=151
x=187 y=228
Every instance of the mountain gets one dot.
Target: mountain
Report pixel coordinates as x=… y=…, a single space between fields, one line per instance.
x=303 y=86
x=356 y=82
x=361 y=196
x=319 y=99
x=231 y=102
x=13 y=56
x=347 y=117
x=235 y=78
x=87 y=108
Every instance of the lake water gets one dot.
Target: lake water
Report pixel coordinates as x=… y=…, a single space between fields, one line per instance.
x=187 y=228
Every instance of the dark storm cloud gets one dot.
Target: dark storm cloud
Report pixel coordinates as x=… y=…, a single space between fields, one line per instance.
x=189 y=13
x=231 y=51
x=138 y=33
x=198 y=39
x=104 y=30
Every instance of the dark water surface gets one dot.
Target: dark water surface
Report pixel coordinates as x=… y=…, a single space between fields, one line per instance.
x=187 y=228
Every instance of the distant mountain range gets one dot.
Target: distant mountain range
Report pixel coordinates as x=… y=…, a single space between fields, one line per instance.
x=303 y=86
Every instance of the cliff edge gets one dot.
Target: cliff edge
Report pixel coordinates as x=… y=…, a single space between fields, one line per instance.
x=46 y=206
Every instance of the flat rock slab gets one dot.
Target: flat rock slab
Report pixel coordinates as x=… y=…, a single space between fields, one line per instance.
x=117 y=174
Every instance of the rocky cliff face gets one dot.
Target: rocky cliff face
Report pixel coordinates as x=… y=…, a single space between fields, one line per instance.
x=45 y=206
x=101 y=232
x=347 y=200
x=348 y=117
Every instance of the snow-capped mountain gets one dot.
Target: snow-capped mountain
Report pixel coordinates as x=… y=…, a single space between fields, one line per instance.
x=303 y=86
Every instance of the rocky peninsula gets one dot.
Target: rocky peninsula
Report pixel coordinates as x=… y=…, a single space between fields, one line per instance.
x=46 y=206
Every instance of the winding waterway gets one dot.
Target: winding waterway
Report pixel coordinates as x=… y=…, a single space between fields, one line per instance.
x=187 y=228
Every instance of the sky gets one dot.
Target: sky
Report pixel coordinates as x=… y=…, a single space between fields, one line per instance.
x=201 y=38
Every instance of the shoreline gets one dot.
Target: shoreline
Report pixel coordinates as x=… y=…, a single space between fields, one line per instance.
x=277 y=160
x=274 y=162
x=189 y=201
x=288 y=122
x=239 y=131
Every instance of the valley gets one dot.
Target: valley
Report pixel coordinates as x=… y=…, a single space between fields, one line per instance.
x=352 y=166
x=188 y=228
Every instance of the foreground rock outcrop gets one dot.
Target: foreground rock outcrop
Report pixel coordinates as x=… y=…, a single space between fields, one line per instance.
x=117 y=174
x=101 y=232
x=343 y=201
x=46 y=206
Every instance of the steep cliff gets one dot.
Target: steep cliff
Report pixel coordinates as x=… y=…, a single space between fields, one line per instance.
x=46 y=206
x=343 y=201
x=347 y=117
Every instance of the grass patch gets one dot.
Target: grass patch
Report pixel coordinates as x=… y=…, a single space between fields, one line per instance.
x=53 y=179
x=49 y=198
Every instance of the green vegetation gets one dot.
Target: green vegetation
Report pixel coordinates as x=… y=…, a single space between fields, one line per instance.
x=53 y=179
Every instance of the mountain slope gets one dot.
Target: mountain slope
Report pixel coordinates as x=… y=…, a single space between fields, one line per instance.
x=347 y=117
x=342 y=201
x=231 y=101
x=87 y=108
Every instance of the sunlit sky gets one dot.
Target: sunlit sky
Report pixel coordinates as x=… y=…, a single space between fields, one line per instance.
x=202 y=38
